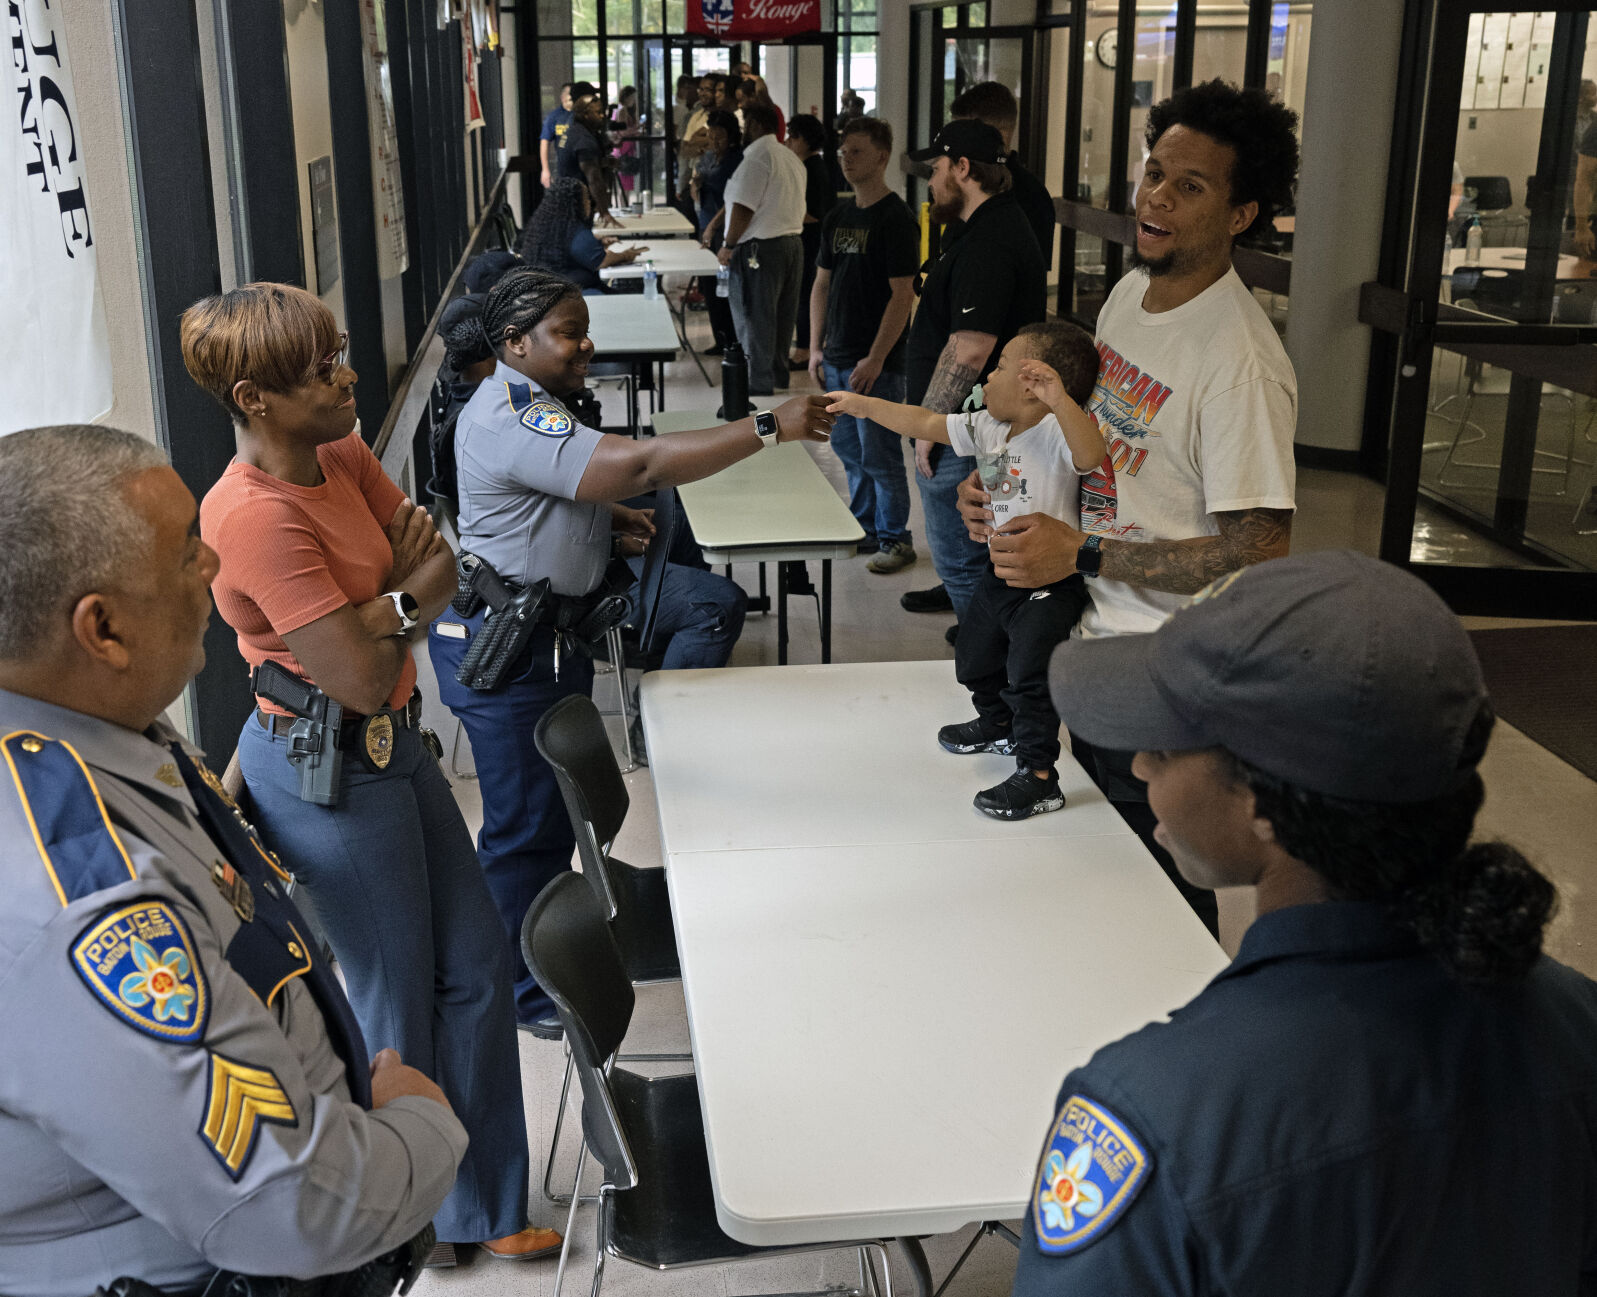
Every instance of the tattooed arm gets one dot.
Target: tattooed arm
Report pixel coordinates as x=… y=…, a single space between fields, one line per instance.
x=1036 y=550
x=957 y=370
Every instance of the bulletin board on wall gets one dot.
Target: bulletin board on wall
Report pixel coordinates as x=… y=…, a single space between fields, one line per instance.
x=1505 y=60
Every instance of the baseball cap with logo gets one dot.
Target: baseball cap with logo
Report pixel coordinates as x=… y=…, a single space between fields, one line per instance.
x=1333 y=671
x=966 y=138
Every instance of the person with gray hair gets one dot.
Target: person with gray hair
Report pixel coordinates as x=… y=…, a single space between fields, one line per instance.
x=185 y=1090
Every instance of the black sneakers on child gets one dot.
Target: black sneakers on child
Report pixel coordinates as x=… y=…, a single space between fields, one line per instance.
x=975 y=736
x=1021 y=796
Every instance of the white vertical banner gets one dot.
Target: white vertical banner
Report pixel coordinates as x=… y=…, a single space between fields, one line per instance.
x=55 y=365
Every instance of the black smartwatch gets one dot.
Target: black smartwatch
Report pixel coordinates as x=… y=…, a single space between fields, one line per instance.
x=1089 y=557
x=766 y=428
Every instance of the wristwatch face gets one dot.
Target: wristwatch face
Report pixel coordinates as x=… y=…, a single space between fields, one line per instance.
x=409 y=609
x=765 y=425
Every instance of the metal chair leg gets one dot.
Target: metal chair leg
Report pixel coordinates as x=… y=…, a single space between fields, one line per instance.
x=571 y=1218
x=987 y=1227
x=601 y=1239
x=454 y=755
x=618 y=658
x=554 y=1143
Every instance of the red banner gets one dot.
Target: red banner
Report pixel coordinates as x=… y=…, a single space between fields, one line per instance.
x=760 y=20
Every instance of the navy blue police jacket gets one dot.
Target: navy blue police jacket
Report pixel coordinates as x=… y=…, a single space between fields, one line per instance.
x=1334 y=1114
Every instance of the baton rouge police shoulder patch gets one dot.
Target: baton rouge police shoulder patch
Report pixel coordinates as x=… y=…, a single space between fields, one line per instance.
x=1091 y=1171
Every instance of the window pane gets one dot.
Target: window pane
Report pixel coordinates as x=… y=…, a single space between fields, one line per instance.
x=1220 y=47
x=860 y=71
x=623 y=17
x=585 y=62
x=676 y=15
x=581 y=17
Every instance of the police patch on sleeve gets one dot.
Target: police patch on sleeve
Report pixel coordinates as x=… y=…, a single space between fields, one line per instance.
x=1092 y=1170
x=139 y=961
x=547 y=419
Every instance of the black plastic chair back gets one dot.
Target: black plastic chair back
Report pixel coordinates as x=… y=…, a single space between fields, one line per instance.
x=1492 y=193
x=572 y=739
x=567 y=943
x=667 y=522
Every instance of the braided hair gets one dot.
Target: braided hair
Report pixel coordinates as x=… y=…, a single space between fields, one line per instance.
x=546 y=241
x=519 y=301
x=1479 y=909
x=460 y=327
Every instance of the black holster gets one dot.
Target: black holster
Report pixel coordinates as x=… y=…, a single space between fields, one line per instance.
x=507 y=629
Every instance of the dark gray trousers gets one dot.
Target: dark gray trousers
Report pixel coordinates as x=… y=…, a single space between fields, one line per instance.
x=764 y=302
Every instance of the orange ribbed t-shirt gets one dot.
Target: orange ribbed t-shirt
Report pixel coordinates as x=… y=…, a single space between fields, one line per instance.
x=291 y=554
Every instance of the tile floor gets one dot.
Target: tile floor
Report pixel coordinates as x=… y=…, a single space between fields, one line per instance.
x=1534 y=800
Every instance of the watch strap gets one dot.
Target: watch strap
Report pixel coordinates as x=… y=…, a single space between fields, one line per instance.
x=1089 y=558
x=766 y=427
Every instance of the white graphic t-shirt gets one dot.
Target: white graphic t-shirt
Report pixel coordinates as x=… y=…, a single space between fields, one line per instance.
x=1198 y=407
x=1036 y=471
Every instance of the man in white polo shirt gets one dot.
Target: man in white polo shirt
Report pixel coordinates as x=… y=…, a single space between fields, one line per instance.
x=765 y=213
x=1196 y=400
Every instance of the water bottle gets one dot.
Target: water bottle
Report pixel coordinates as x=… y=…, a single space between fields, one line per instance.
x=651 y=282
x=648 y=201
x=734 y=383
x=1472 y=242
x=723 y=281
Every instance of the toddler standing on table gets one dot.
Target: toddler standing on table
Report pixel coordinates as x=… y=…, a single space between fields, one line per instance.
x=1033 y=442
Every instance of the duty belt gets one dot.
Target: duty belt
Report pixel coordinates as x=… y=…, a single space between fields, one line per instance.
x=350 y=727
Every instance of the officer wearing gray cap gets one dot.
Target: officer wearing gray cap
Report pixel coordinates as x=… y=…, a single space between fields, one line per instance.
x=1391 y=1089
x=183 y=1087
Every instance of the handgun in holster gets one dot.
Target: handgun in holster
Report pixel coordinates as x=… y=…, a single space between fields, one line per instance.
x=505 y=632
x=313 y=738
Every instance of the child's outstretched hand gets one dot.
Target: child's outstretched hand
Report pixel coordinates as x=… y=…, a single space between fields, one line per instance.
x=846 y=403
x=1043 y=382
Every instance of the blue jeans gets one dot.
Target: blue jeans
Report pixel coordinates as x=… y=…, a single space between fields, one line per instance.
x=526 y=836
x=395 y=883
x=960 y=561
x=700 y=613
x=873 y=458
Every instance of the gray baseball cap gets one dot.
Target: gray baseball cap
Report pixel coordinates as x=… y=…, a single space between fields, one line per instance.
x=1332 y=671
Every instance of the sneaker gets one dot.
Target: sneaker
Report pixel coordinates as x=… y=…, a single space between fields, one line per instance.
x=975 y=736
x=1021 y=796
x=934 y=600
x=892 y=558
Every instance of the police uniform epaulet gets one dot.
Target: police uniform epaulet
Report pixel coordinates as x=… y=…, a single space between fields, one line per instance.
x=77 y=844
x=543 y=417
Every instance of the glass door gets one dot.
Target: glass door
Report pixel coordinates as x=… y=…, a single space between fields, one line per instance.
x=1488 y=299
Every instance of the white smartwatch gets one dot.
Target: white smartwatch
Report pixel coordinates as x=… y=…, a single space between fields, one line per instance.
x=766 y=428
x=408 y=609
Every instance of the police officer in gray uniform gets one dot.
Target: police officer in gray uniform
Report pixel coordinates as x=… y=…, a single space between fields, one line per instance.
x=183 y=1088
x=538 y=500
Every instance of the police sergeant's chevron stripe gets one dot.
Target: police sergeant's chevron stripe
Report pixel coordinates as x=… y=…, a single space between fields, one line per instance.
x=240 y=1099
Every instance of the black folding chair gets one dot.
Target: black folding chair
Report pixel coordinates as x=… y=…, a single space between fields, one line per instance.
x=645 y=621
x=656 y=1204
x=572 y=739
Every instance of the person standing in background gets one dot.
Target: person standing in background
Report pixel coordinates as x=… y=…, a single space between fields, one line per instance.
x=582 y=155
x=716 y=166
x=764 y=215
x=859 y=307
x=554 y=133
x=987 y=281
x=806 y=138
x=994 y=103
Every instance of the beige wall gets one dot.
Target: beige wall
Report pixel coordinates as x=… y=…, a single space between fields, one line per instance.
x=92 y=49
x=313 y=124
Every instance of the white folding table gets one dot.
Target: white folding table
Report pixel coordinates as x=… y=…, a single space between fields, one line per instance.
x=662 y=222
x=884 y=987
x=773 y=507
x=669 y=257
x=637 y=333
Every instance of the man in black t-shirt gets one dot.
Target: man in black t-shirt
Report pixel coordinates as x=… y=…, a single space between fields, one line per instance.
x=988 y=281
x=864 y=288
x=580 y=154
x=994 y=103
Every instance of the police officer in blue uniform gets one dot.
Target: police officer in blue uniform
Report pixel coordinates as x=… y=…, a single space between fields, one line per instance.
x=183 y=1087
x=538 y=493
x=1391 y=1090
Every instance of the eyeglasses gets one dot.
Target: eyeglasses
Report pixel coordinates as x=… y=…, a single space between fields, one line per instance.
x=328 y=366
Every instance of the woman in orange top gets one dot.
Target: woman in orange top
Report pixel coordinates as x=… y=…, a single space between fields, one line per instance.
x=327 y=570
